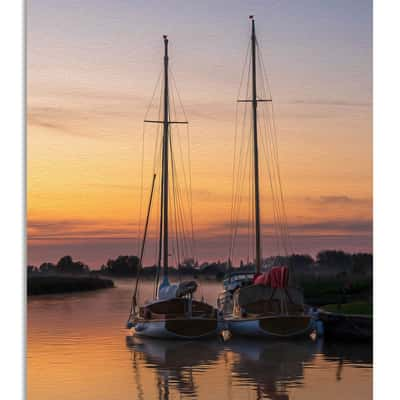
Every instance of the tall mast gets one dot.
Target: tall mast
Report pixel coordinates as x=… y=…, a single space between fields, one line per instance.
x=255 y=146
x=163 y=244
x=165 y=163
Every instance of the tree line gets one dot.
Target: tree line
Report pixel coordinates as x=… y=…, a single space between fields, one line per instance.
x=127 y=265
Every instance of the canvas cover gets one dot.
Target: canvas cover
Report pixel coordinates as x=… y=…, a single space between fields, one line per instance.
x=255 y=293
x=177 y=290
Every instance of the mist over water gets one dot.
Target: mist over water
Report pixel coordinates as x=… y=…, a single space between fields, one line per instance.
x=78 y=348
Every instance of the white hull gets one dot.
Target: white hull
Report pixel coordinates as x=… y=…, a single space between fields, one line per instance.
x=158 y=329
x=256 y=328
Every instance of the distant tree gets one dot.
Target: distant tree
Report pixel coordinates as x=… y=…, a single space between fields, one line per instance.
x=188 y=263
x=67 y=265
x=335 y=259
x=216 y=269
x=362 y=263
x=300 y=261
x=122 y=265
x=48 y=267
x=31 y=269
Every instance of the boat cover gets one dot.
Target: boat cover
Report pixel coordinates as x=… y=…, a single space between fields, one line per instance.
x=276 y=277
x=177 y=290
x=255 y=293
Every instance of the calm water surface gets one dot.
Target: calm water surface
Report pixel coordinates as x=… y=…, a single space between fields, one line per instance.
x=78 y=348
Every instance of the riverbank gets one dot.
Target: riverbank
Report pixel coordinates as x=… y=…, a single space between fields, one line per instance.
x=38 y=285
x=355 y=308
x=352 y=321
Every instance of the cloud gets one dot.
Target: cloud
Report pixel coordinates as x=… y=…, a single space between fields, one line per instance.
x=339 y=200
x=326 y=102
x=325 y=227
x=76 y=229
x=95 y=252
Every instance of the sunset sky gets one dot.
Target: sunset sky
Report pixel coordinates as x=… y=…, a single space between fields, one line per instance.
x=92 y=68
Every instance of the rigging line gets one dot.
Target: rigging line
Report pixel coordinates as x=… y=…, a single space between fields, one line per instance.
x=157 y=147
x=271 y=159
x=273 y=183
x=158 y=270
x=154 y=92
x=246 y=63
x=157 y=216
x=190 y=196
x=276 y=172
x=186 y=188
x=251 y=211
x=182 y=220
x=139 y=224
x=176 y=196
x=239 y=199
x=243 y=165
x=181 y=209
x=281 y=186
x=237 y=180
x=142 y=159
x=235 y=142
x=271 y=180
x=140 y=265
x=173 y=175
x=157 y=162
x=276 y=156
x=249 y=216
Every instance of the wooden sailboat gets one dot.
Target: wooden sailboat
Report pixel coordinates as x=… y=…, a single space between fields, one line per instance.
x=257 y=304
x=173 y=312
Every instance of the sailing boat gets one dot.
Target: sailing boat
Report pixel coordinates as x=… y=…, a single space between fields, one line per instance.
x=173 y=312
x=261 y=304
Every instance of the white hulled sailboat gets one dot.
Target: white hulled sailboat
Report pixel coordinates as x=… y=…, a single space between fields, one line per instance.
x=261 y=303
x=173 y=313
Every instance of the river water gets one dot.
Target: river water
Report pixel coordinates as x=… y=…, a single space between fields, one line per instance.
x=78 y=349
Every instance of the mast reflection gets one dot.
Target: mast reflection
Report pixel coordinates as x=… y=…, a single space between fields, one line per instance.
x=175 y=363
x=270 y=368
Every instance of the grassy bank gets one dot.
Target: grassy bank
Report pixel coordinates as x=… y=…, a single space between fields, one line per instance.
x=65 y=284
x=336 y=291
x=355 y=308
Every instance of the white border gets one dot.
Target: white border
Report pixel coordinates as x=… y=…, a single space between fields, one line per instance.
x=12 y=203
x=386 y=196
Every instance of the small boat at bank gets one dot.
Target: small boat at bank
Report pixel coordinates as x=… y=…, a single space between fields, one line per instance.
x=347 y=326
x=263 y=304
x=173 y=313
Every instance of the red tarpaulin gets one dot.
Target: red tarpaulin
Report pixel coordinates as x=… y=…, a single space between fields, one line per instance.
x=276 y=277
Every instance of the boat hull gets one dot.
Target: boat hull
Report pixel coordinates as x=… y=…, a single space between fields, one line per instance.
x=179 y=328
x=271 y=326
x=347 y=327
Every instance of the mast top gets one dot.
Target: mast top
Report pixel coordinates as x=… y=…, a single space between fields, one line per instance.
x=251 y=17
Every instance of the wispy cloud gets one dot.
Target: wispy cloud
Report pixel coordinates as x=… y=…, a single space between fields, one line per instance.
x=328 y=102
x=339 y=200
x=39 y=230
x=324 y=227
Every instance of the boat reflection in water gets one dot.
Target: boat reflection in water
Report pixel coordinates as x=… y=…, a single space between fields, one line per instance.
x=353 y=354
x=175 y=363
x=251 y=369
x=251 y=366
x=271 y=367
